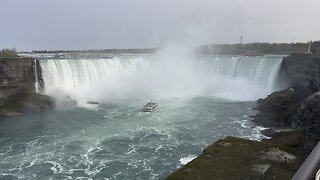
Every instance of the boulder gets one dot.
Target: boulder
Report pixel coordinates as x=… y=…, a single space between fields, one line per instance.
x=279 y=108
x=308 y=118
x=10 y=113
x=26 y=101
x=37 y=103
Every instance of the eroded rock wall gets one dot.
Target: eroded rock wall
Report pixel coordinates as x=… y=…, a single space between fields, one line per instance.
x=15 y=74
x=298 y=106
x=300 y=69
x=17 y=88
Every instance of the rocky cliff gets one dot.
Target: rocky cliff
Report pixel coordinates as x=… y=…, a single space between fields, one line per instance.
x=17 y=87
x=301 y=70
x=293 y=116
x=298 y=106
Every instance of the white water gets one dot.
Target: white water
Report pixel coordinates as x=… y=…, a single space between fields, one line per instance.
x=118 y=141
x=36 y=84
x=186 y=160
x=160 y=76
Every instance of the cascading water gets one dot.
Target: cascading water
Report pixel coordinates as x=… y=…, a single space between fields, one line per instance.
x=115 y=139
x=134 y=76
x=259 y=70
x=36 y=84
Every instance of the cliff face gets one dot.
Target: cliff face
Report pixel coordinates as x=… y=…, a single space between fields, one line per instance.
x=301 y=69
x=17 y=88
x=299 y=105
x=15 y=74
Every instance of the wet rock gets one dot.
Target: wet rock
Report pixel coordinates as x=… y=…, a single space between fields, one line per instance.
x=279 y=108
x=34 y=103
x=92 y=102
x=10 y=113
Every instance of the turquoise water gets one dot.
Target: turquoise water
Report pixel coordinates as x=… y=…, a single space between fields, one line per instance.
x=201 y=99
x=117 y=141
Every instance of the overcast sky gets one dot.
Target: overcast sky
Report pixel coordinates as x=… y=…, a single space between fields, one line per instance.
x=97 y=24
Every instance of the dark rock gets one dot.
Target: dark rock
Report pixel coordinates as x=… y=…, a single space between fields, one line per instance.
x=27 y=102
x=268 y=132
x=10 y=114
x=28 y=107
x=241 y=159
x=299 y=108
x=315 y=47
x=291 y=138
x=17 y=87
x=308 y=118
x=309 y=111
x=300 y=70
x=41 y=102
x=92 y=102
x=16 y=72
x=279 y=108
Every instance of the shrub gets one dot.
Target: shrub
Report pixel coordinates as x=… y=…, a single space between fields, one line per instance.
x=8 y=52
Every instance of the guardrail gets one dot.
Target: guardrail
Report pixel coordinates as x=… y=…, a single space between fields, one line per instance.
x=310 y=166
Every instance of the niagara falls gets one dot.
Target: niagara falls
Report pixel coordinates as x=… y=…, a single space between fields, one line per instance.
x=170 y=89
x=200 y=97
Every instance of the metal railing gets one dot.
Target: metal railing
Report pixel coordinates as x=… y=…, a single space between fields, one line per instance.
x=310 y=166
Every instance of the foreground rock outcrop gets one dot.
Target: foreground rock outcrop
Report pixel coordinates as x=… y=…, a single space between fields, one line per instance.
x=291 y=109
x=17 y=88
x=280 y=108
x=236 y=158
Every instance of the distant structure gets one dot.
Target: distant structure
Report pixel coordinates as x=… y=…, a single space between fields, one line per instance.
x=241 y=39
x=309 y=48
x=314 y=47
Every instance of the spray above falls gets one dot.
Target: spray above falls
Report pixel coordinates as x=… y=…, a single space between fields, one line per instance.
x=167 y=74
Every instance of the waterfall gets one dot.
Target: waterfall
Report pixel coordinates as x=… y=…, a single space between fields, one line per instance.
x=129 y=76
x=259 y=70
x=36 y=72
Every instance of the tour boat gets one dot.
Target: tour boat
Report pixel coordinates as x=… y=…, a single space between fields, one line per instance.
x=149 y=107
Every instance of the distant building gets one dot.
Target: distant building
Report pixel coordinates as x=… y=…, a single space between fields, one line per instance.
x=315 y=47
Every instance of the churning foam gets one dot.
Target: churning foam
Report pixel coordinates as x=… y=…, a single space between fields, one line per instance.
x=170 y=73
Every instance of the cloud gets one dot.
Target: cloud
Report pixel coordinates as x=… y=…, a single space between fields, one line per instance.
x=81 y=24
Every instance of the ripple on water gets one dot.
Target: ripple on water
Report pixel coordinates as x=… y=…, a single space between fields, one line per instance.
x=39 y=170
x=115 y=143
